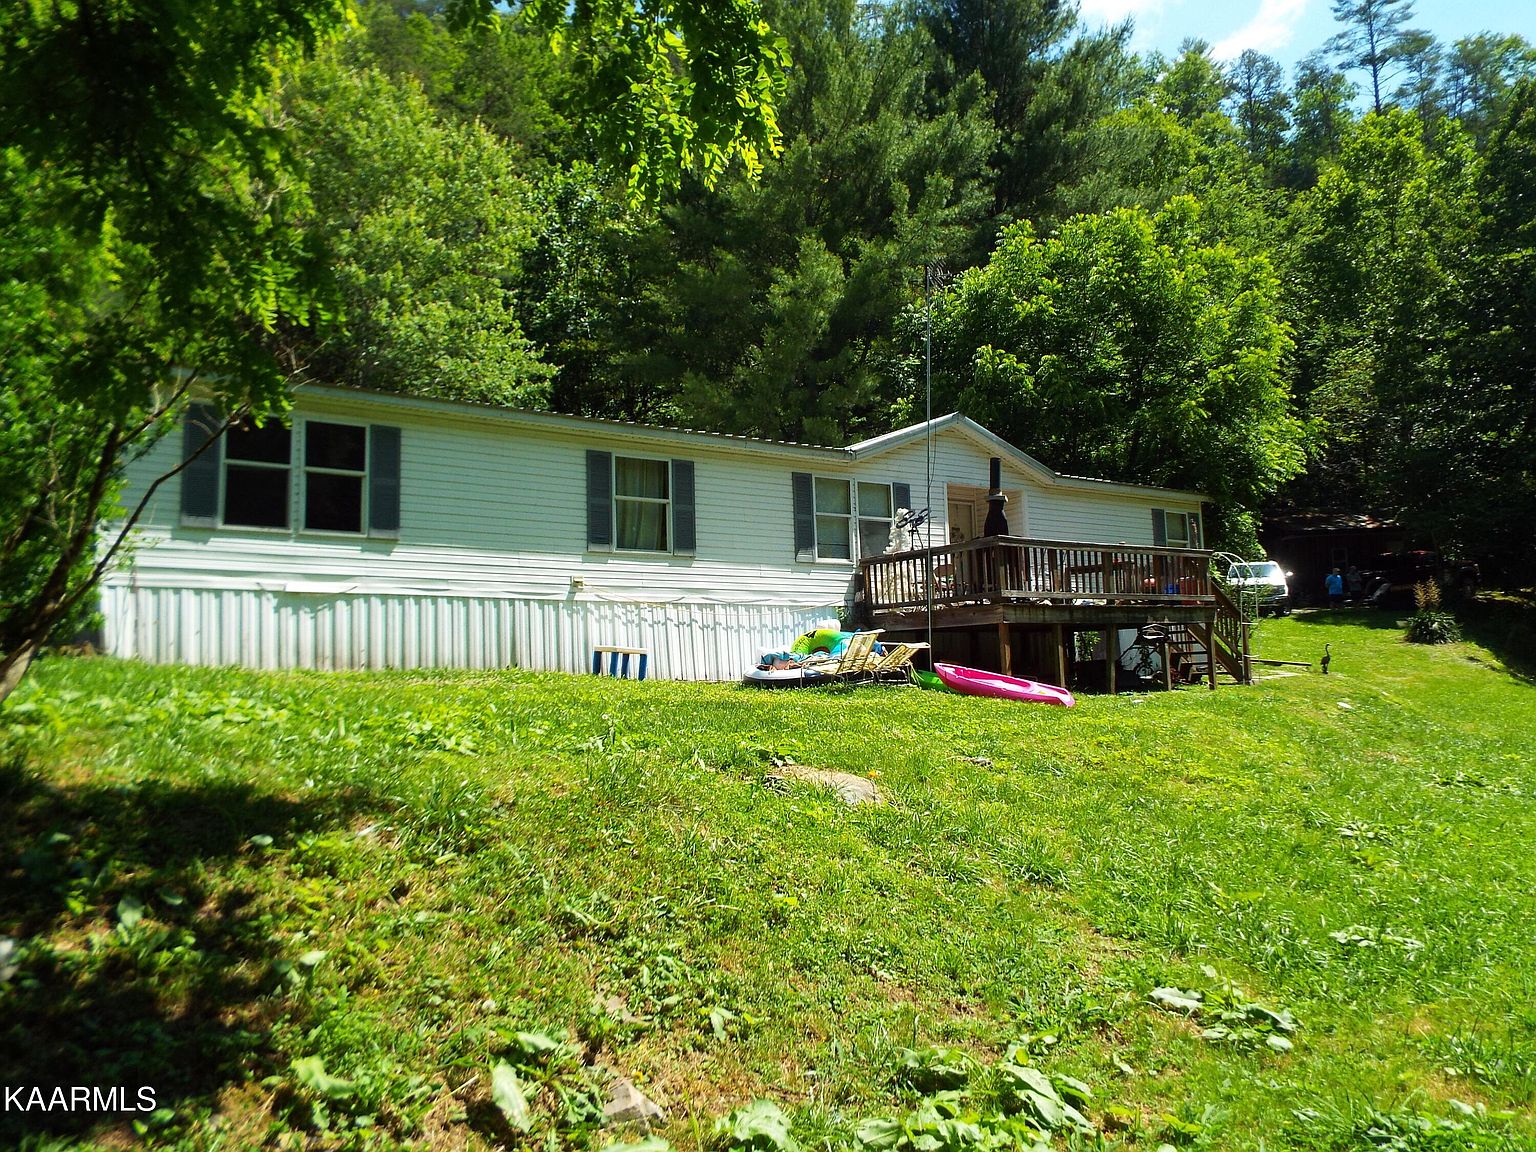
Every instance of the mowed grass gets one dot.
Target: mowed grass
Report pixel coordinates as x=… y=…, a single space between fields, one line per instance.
x=215 y=878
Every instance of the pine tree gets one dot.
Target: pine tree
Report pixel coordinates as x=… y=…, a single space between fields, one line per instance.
x=1373 y=30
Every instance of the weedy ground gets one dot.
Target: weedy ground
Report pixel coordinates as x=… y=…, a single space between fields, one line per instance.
x=318 y=910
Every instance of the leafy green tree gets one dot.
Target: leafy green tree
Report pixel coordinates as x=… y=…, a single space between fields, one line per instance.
x=664 y=86
x=1419 y=58
x=423 y=224
x=1128 y=346
x=1471 y=467
x=772 y=308
x=149 y=245
x=1260 y=105
x=1481 y=73
x=1374 y=264
x=1193 y=87
x=1044 y=79
x=1371 y=38
x=504 y=79
x=1143 y=156
x=1323 y=112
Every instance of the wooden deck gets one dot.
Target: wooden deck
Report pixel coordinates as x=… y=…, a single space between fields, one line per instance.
x=1021 y=588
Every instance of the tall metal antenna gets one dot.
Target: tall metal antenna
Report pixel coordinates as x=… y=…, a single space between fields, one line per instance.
x=934 y=276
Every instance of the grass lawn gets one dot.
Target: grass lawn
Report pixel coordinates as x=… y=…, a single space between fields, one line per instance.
x=316 y=910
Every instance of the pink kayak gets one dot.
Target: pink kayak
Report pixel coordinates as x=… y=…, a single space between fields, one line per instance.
x=975 y=682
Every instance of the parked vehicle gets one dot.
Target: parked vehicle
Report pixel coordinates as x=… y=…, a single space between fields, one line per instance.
x=1263 y=582
x=1391 y=579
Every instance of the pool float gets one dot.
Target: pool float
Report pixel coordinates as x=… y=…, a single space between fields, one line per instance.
x=782 y=677
x=928 y=680
x=975 y=682
x=828 y=640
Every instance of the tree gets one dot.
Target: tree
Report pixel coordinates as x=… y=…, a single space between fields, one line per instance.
x=144 y=133
x=1260 y=105
x=1375 y=261
x=423 y=224
x=1419 y=59
x=1323 y=113
x=1472 y=462
x=664 y=86
x=1193 y=87
x=1481 y=73
x=149 y=246
x=1044 y=81
x=504 y=79
x=771 y=308
x=1129 y=347
x=1373 y=30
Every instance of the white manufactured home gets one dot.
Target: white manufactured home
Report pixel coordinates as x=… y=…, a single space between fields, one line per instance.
x=387 y=531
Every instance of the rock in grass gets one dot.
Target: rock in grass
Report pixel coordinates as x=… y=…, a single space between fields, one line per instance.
x=848 y=788
x=619 y=1010
x=626 y=1104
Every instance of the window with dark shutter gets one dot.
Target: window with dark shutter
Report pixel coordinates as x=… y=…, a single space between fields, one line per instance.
x=257 y=463
x=684 y=522
x=1159 y=528
x=902 y=493
x=200 y=478
x=335 y=476
x=599 y=501
x=642 y=499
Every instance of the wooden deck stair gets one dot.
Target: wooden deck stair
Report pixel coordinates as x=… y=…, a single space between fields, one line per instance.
x=1188 y=644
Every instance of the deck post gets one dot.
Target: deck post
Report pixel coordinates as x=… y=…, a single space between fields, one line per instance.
x=1004 y=649
x=1111 y=657
x=1061 y=656
x=1210 y=649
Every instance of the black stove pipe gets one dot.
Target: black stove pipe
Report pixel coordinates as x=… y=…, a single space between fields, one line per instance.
x=997 y=522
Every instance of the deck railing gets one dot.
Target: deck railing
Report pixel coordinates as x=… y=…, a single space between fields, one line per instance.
x=1013 y=568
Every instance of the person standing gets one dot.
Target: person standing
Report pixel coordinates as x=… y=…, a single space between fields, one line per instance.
x=1334 y=583
x=1354 y=585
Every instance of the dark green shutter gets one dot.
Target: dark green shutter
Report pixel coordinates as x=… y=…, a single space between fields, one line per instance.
x=901 y=497
x=384 y=481
x=600 y=501
x=1194 y=530
x=200 y=478
x=803 y=489
x=684 y=533
x=1159 y=528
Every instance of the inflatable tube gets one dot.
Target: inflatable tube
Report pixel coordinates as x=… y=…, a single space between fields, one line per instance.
x=975 y=682
x=780 y=677
x=828 y=640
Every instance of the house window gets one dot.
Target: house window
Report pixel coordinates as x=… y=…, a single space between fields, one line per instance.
x=1182 y=530
x=875 y=515
x=335 y=476
x=256 y=469
x=834 y=519
x=642 y=504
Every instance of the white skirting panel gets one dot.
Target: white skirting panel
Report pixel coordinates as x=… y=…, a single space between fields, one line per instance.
x=272 y=629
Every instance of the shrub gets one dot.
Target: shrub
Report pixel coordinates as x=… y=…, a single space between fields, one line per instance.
x=1428 y=626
